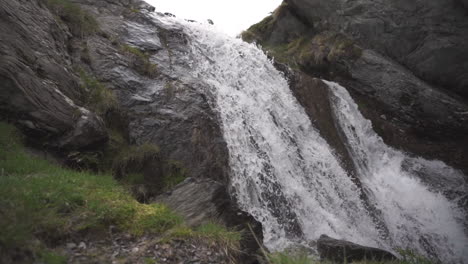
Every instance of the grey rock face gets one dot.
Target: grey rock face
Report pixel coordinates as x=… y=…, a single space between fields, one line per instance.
x=195 y=201
x=41 y=91
x=341 y=251
x=38 y=87
x=428 y=37
x=169 y=110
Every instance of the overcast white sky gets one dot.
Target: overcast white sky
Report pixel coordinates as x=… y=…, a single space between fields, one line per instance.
x=229 y=16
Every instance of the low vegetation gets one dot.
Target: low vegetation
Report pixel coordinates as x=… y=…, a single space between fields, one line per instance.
x=133 y=158
x=42 y=203
x=40 y=198
x=97 y=97
x=80 y=22
x=141 y=61
x=324 y=53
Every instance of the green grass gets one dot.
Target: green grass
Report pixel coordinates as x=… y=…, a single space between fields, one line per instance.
x=177 y=173
x=211 y=233
x=49 y=257
x=39 y=200
x=80 y=22
x=141 y=61
x=283 y=258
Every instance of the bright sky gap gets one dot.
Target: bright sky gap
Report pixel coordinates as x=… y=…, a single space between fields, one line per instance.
x=230 y=17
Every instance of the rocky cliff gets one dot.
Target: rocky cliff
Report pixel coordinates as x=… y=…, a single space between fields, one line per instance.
x=49 y=59
x=405 y=63
x=93 y=81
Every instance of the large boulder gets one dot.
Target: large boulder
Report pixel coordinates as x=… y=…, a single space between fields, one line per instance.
x=205 y=201
x=342 y=251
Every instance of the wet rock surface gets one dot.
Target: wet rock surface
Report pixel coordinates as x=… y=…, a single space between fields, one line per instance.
x=167 y=108
x=341 y=251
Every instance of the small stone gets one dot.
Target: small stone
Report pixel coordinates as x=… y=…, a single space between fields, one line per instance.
x=82 y=245
x=135 y=250
x=71 y=245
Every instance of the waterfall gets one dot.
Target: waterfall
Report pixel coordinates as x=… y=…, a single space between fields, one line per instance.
x=288 y=177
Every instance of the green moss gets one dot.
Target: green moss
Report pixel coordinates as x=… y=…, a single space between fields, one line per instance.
x=97 y=97
x=40 y=200
x=176 y=174
x=133 y=158
x=80 y=22
x=141 y=61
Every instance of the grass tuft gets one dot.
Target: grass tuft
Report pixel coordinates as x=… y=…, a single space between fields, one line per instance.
x=141 y=61
x=80 y=22
x=99 y=99
x=132 y=159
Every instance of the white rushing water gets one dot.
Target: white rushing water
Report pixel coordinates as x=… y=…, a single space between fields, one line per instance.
x=288 y=177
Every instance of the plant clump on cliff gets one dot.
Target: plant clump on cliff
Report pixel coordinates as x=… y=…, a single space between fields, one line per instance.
x=98 y=98
x=80 y=22
x=141 y=61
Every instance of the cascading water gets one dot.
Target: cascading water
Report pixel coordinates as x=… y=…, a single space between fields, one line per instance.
x=288 y=177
